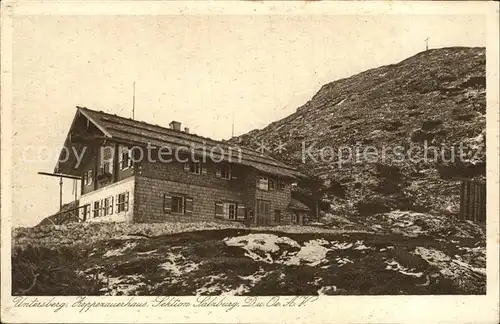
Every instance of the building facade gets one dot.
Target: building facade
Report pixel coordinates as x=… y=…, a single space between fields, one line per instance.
x=132 y=171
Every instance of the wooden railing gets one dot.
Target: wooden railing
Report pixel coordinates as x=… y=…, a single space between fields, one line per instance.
x=66 y=216
x=473 y=200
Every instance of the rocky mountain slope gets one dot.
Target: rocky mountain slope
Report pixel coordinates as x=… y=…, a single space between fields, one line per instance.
x=436 y=98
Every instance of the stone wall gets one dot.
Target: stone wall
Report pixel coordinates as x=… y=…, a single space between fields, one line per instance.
x=149 y=197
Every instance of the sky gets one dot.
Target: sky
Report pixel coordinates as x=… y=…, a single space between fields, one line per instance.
x=199 y=70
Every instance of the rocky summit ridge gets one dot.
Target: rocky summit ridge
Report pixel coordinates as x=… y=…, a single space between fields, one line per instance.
x=435 y=99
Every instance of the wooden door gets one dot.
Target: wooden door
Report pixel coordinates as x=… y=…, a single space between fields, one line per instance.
x=263 y=212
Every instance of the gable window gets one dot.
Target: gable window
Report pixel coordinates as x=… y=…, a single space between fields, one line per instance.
x=177 y=204
x=224 y=171
x=271 y=185
x=87 y=178
x=125 y=160
x=263 y=183
x=122 y=202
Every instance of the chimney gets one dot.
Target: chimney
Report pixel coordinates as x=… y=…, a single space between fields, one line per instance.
x=175 y=125
x=186 y=130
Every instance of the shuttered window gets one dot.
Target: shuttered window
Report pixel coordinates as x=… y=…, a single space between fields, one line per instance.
x=101 y=208
x=105 y=207
x=110 y=205
x=96 y=209
x=125 y=159
x=85 y=212
x=178 y=204
x=122 y=202
x=230 y=211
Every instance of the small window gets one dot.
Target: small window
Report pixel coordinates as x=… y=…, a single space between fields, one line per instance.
x=282 y=184
x=106 y=168
x=277 y=216
x=102 y=208
x=224 y=171
x=263 y=183
x=105 y=207
x=125 y=160
x=85 y=212
x=96 y=209
x=87 y=178
x=122 y=202
x=177 y=205
x=231 y=210
x=295 y=218
x=195 y=167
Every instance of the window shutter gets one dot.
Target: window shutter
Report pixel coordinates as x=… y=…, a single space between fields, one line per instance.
x=218 y=172
x=111 y=200
x=186 y=167
x=241 y=212
x=167 y=203
x=203 y=168
x=219 y=210
x=101 y=208
x=126 y=202
x=117 y=201
x=225 y=211
x=188 y=207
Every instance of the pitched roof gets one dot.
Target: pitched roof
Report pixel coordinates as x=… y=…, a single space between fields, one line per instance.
x=141 y=133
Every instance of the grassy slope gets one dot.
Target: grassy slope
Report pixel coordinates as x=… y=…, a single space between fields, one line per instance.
x=202 y=262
